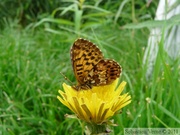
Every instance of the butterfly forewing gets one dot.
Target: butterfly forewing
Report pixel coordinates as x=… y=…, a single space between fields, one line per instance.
x=89 y=66
x=84 y=56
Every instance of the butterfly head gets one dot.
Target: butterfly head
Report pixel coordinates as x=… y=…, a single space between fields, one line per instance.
x=82 y=87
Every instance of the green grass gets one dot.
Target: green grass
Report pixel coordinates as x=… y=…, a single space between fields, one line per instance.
x=31 y=61
x=29 y=81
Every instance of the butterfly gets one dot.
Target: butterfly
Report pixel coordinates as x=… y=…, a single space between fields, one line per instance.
x=90 y=67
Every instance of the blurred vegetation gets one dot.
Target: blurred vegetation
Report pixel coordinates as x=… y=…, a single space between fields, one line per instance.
x=89 y=12
x=35 y=39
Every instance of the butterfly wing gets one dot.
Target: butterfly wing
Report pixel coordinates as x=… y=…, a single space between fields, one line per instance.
x=84 y=56
x=105 y=72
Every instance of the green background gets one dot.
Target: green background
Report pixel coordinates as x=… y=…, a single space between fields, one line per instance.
x=35 y=41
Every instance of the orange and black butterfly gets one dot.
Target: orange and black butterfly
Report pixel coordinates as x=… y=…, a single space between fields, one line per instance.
x=90 y=67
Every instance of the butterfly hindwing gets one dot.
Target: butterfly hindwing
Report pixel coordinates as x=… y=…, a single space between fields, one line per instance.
x=105 y=72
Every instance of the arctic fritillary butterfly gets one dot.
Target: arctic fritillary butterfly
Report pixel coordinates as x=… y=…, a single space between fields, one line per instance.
x=90 y=67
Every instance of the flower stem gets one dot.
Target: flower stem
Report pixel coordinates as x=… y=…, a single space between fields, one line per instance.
x=95 y=129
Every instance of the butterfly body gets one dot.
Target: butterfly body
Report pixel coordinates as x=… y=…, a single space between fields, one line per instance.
x=90 y=67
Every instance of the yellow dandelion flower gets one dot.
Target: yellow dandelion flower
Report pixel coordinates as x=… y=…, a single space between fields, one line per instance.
x=96 y=105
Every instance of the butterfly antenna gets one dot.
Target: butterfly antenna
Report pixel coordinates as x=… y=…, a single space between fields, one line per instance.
x=66 y=78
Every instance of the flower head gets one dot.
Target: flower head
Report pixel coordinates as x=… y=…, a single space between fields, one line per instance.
x=96 y=105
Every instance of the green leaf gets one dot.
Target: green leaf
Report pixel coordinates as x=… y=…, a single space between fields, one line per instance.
x=175 y=20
